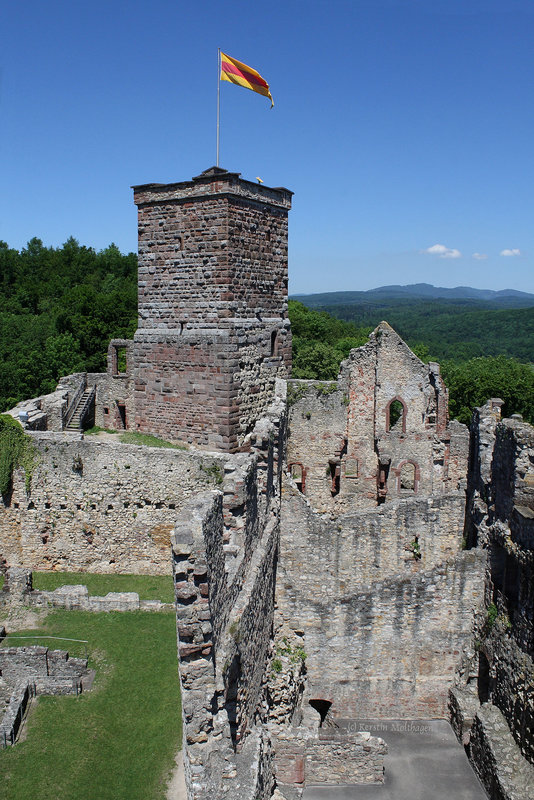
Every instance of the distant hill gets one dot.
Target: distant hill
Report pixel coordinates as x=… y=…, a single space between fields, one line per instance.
x=458 y=324
x=482 y=298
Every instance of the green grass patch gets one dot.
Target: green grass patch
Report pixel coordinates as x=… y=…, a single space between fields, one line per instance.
x=146 y=439
x=148 y=587
x=97 y=429
x=118 y=741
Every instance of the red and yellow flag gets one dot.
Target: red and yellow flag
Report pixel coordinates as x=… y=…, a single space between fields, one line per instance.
x=236 y=72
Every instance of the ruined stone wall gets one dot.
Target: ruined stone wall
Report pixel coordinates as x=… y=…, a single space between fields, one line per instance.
x=225 y=551
x=327 y=756
x=345 y=440
x=383 y=631
x=100 y=506
x=360 y=547
x=114 y=400
x=317 y=429
x=493 y=700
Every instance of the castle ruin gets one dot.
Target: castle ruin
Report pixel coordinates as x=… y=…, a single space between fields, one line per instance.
x=335 y=545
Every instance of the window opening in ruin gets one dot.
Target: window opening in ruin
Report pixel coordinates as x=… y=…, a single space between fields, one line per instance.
x=351 y=468
x=106 y=410
x=274 y=343
x=322 y=707
x=267 y=235
x=407 y=477
x=298 y=473
x=122 y=365
x=122 y=414
x=343 y=450
x=483 y=678
x=382 y=488
x=334 y=469
x=396 y=415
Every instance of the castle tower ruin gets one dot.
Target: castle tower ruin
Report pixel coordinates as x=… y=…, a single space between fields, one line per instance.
x=213 y=329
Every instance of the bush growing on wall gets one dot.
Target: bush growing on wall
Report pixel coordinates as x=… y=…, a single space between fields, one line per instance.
x=16 y=450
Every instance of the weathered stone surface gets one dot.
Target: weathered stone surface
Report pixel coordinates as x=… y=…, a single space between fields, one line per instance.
x=498 y=671
x=31 y=671
x=213 y=328
x=348 y=449
x=114 y=514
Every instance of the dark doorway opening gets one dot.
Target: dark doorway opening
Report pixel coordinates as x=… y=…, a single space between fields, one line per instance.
x=122 y=414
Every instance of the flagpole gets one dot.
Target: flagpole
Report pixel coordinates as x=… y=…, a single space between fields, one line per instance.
x=218 y=99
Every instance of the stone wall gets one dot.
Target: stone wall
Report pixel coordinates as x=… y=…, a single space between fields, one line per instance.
x=359 y=547
x=381 y=432
x=328 y=757
x=100 y=506
x=382 y=630
x=493 y=701
x=27 y=672
x=213 y=331
x=225 y=550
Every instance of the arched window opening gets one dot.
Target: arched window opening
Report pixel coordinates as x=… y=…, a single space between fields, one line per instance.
x=322 y=707
x=274 y=343
x=407 y=477
x=396 y=415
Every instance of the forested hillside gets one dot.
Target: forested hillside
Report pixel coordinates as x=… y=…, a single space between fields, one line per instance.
x=59 y=307
x=449 y=328
x=319 y=341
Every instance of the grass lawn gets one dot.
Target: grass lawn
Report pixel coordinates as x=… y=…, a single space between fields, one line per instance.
x=148 y=587
x=116 y=742
x=134 y=437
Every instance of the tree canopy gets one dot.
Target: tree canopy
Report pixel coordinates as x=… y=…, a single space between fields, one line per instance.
x=59 y=307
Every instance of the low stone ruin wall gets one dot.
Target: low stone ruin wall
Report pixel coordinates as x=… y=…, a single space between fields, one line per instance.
x=18 y=588
x=33 y=671
x=326 y=756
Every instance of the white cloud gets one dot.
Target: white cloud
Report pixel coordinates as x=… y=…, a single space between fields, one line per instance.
x=442 y=251
x=479 y=256
x=513 y=252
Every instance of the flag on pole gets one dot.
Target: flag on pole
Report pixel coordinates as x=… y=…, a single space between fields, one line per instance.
x=236 y=72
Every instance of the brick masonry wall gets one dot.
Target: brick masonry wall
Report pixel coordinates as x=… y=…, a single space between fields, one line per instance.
x=213 y=331
x=100 y=506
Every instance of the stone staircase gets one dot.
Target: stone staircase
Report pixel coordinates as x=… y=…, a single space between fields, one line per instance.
x=82 y=407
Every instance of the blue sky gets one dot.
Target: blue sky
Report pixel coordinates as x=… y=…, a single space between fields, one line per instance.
x=404 y=127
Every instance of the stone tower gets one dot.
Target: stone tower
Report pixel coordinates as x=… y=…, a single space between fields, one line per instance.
x=213 y=330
